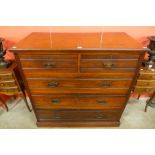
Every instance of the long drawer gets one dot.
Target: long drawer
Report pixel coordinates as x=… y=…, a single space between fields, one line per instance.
x=77 y=101
x=111 y=74
x=79 y=83
x=65 y=115
x=120 y=91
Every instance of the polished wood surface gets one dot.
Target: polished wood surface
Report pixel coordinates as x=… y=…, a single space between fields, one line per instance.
x=39 y=40
x=79 y=79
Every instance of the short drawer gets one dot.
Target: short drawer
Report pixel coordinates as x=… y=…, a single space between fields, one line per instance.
x=11 y=90
x=144 y=89
x=79 y=83
x=7 y=84
x=108 y=55
x=49 y=64
x=146 y=76
x=77 y=101
x=47 y=56
x=108 y=64
x=6 y=76
x=146 y=83
x=44 y=115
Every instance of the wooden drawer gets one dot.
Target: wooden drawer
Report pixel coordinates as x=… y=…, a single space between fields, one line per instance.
x=11 y=90
x=47 y=56
x=7 y=84
x=51 y=115
x=110 y=56
x=146 y=83
x=80 y=83
x=110 y=74
x=108 y=64
x=6 y=76
x=116 y=91
x=144 y=89
x=78 y=101
x=49 y=64
x=147 y=77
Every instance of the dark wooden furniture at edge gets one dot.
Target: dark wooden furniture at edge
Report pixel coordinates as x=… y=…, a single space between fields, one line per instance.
x=79 y=79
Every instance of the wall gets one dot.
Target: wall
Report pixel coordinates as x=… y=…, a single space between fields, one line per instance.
x=16 y=33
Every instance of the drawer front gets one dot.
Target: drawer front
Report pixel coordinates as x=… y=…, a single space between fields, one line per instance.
x=108 y=64
x=116 y=91
x=49 y=64
x=11 y=90
x=147 y=77
x=47 y=56
x=81 y=83
x=110 y=56
x=6 y=76
x=146 y=83
x=144 y=89
x=7 y=84
x=78 y=101
x=108 y=74
x=77 y=115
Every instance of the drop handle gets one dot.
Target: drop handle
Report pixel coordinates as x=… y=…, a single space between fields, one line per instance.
x=53 y=84
x=56 y=116
x=99 y=116
x=108 y=65
x=105 y=84
x=101 y=102
x=49 y=65
x=55 y=101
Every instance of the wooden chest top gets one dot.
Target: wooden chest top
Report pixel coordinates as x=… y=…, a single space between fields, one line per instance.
x=76 y=41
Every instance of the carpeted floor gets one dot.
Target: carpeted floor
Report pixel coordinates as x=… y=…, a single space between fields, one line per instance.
x=133 y=116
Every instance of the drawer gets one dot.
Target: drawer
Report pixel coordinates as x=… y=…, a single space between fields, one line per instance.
x=146 y=83
x=77 y=115
x=48 y=56
x=11 y=90
x=77 y=101
x=144 y=89
x=109 y=91
x=7 y=84
x=107 y=74
x=6 y=76
x=147 y=77
x=109 y=56
x=80 y=83
x=49 y=64
x=108 y=64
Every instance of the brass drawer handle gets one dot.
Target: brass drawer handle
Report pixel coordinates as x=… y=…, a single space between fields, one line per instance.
x=101 y=102
x=49 y=65
x=108 y=65
x=56 y=101
x=105 y=84
x=57 y=116
x=100 y=116
x=53 y=84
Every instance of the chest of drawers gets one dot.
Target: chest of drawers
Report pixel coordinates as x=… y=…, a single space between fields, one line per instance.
x=79 y=79
x=146 y=81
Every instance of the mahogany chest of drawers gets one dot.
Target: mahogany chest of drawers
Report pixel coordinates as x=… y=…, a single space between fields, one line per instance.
x=79 y=79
